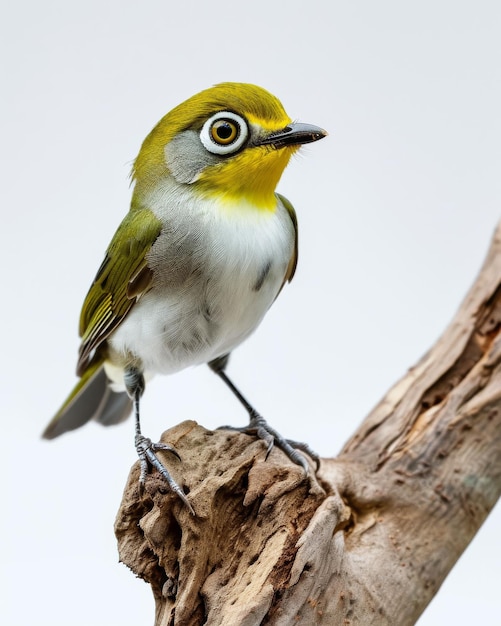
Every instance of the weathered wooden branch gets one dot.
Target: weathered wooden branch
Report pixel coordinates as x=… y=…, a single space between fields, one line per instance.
x=370 y=540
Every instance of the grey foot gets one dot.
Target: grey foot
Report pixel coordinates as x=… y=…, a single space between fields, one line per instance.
x=146 y=450
x=260 y=428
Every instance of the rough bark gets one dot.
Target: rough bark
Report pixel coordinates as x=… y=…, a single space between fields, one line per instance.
x=368 y=540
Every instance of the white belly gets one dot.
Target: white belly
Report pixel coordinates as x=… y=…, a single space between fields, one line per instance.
x=217 y=270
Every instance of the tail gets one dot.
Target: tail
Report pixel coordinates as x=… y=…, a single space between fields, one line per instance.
x=91 y=398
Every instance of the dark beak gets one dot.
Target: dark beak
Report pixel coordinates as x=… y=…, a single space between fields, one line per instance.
x=293 y=135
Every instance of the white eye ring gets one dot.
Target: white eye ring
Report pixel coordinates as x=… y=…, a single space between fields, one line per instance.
x=234 y=133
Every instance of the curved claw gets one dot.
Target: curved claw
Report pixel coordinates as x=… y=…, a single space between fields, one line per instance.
x=146 y=450
x=260 y=428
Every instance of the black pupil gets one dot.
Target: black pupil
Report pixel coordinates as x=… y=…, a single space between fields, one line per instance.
x=224 y=130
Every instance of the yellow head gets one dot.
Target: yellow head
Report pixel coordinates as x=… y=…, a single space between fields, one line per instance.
x=232 y=141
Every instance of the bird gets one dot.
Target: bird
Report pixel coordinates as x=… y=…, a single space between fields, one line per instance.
x=203 y=252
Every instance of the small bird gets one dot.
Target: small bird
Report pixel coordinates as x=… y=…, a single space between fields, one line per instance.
x=202 y=254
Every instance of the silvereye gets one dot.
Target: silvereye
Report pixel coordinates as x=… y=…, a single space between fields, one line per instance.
x=202 y=254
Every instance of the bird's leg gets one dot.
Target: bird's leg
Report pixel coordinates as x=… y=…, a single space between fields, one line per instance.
x=259 y=427
x=145 y=447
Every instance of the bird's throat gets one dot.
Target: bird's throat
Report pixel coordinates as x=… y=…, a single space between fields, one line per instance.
x=251 y=177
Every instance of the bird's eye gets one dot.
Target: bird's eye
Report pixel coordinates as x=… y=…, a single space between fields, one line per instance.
x=224 y=133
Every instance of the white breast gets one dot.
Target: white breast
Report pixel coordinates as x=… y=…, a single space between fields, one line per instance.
x=217 y=270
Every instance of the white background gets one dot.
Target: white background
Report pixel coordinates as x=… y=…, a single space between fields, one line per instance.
x=396 y=210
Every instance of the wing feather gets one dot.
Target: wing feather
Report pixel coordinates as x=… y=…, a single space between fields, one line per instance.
x=122 y=278
x=291 y=268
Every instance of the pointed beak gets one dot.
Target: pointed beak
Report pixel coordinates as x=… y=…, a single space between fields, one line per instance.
x=294 y=134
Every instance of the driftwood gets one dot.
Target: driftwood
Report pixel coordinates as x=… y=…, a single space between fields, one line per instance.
x=371 y=538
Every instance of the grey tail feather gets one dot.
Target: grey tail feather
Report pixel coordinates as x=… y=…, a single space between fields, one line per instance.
x=95 y=400
x=115 y=407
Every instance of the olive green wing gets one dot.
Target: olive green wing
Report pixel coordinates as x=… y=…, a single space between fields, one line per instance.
x=291 y=268
x=122 y=278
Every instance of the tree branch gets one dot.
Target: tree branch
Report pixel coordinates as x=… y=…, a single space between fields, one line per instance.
x=371 y=538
